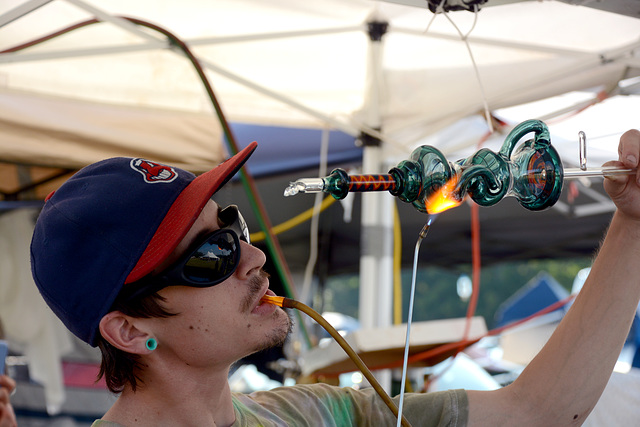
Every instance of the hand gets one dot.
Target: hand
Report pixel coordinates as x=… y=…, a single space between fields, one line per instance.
x=7 y=416
x=624 y=190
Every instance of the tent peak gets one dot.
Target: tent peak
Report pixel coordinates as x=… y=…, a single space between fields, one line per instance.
x=377 y=29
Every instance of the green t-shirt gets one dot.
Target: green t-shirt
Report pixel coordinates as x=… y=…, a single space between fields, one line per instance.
x=325 y=405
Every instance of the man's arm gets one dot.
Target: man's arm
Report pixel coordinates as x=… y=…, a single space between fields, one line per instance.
x=564 y=381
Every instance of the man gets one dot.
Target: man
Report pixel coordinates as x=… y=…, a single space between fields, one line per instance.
x=135 y=258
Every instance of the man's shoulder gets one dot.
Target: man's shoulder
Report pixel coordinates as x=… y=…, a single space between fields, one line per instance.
x=329 y=403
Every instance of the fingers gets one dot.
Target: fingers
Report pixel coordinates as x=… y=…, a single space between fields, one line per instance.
x=629 y=149
x=7 y=416
x=615 y=184
x=7 y=383
x=628 y=157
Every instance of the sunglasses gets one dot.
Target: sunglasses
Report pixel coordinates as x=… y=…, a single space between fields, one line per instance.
x=209 y=261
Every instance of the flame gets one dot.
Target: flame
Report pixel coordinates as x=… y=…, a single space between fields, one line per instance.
x=445 y=198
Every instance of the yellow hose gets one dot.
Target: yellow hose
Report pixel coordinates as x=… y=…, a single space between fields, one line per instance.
x=293 y=222
x=397 y=267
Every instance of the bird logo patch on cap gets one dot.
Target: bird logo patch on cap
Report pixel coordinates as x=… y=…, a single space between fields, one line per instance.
x=153 y=172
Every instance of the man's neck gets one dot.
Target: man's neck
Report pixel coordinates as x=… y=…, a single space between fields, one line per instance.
x=186 y=401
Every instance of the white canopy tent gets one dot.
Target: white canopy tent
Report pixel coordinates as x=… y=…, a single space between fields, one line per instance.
x=284 y=63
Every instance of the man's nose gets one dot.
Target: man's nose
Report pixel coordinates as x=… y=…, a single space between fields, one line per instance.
x=251 y=258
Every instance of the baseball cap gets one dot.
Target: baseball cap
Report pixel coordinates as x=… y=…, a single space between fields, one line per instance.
x=111 y=224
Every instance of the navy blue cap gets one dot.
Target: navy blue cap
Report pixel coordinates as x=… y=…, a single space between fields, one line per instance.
x=112 y=223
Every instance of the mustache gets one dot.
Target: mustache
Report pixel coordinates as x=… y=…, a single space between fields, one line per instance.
x=255 y=286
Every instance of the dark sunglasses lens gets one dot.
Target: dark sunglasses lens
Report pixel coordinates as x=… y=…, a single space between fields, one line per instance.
x=232 y=218
x=214 y=261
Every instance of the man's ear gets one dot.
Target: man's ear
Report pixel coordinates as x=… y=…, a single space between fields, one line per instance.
x=120 y=331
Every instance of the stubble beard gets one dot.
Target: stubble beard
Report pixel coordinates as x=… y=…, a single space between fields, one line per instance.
x=279 y=334
x=281 y=331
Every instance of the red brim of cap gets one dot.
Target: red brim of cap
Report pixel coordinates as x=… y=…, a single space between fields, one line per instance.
x=184 y=211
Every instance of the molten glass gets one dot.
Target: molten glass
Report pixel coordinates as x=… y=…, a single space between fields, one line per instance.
x=532 y=173
x=445 y=198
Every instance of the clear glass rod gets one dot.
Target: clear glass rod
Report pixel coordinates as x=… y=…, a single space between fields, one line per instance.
x=573 y=173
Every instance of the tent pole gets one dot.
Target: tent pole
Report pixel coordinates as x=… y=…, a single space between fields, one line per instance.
x=376 y=245
x=482 y=41
x=20 y=11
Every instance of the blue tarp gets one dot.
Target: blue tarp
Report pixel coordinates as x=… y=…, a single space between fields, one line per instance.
x=541 y=291
x=284 y=149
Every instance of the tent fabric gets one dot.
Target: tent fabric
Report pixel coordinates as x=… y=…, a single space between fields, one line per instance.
x=620 y=402
x=68 y=133
x=29 y=323
x=294 y=65
x=283 y=150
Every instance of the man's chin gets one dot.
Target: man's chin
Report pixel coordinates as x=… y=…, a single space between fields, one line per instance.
x=279 y=334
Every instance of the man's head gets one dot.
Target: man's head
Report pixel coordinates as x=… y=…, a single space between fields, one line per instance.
x=113 y=246
x=112 y=224
x=201 y=318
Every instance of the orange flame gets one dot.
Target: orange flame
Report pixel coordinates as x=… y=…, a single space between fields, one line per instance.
x=444 y=198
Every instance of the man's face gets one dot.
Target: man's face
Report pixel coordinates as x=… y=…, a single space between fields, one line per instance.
x=223 y=323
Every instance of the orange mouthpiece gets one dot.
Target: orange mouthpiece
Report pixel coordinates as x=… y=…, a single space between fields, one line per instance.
x=279 y=301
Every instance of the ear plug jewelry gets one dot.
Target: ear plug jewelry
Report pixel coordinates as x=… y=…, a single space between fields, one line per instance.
x=151 y=344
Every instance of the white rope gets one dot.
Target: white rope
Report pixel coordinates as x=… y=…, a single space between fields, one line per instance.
x=465 y=39
x=313 y=233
